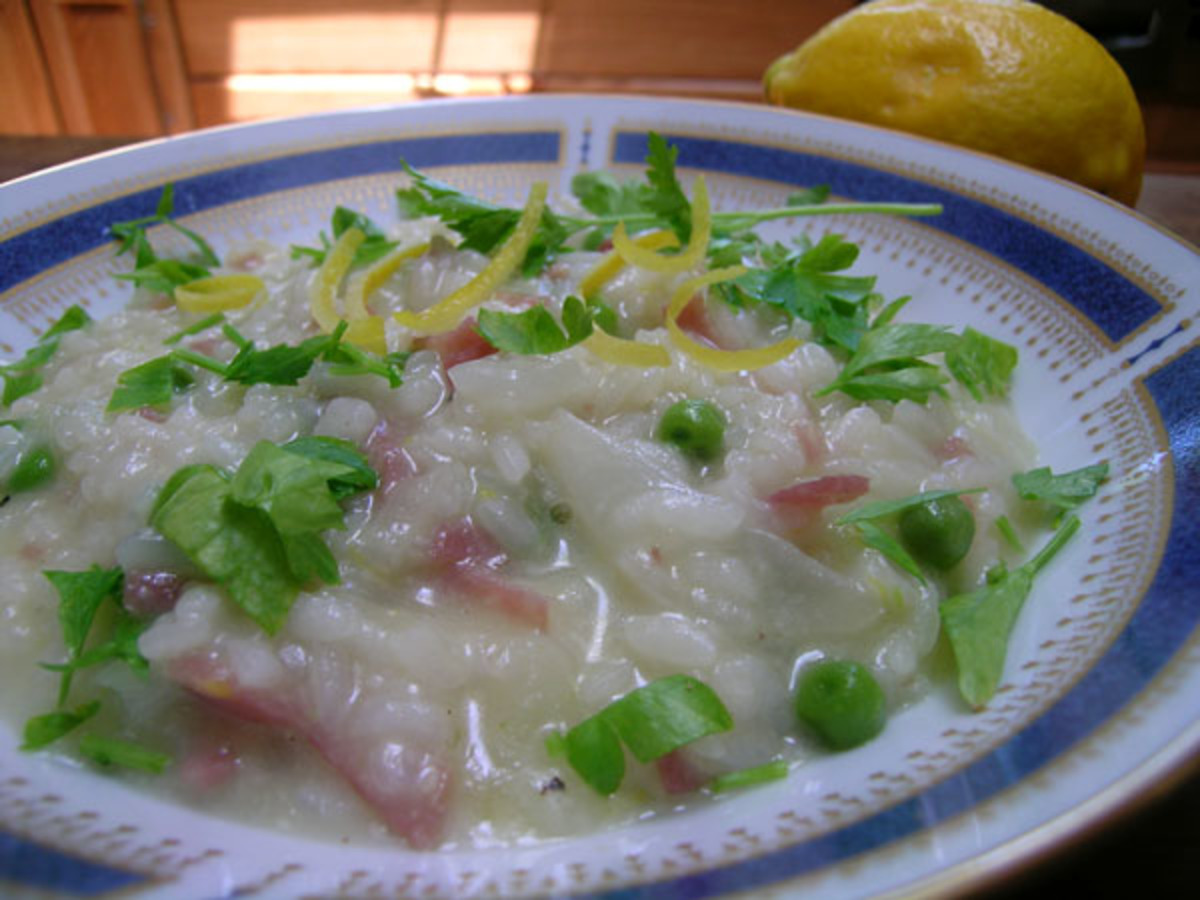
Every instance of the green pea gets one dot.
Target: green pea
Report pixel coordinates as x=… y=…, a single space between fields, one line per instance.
x=33 y=470
x=696 y=427
x=939 y=532
x=842 y=702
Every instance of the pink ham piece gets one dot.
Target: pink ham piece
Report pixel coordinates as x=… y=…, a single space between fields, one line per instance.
x=678 y=774
x=461 y=345
x=468 y=562
x=800 y=504
x=148 y=593
x=150 y=414
x=407 y=787
x=953 y=447
x=386 y=454
x=209 y=767
x=695 y=321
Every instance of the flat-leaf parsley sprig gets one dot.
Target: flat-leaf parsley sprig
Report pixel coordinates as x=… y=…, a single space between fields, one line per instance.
x=96 y=628
x=154 y=383
x=151 y=271
x=257 y=531
x=656 y=202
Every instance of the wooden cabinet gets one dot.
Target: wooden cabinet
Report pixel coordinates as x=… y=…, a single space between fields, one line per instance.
x=143 y=67
x=93 y=67
x=26 y=98
x=673 y=40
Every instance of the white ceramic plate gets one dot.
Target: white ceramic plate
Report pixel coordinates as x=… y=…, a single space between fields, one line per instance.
x=1101 y=694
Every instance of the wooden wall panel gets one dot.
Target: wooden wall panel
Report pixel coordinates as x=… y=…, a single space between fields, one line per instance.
x=26 y=100
x=490 y=35
x=711 y=39
x=166 y=63
x=98 y=66
x=139 y=67
x=222 y=37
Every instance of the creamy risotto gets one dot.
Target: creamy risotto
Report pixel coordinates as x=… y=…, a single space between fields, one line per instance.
x=394 y=599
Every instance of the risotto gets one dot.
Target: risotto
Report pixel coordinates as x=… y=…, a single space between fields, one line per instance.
x=489 y=526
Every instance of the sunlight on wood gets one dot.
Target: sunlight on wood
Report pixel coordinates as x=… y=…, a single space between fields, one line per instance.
x=239 y=98
x=379 y=41
x=490 y=42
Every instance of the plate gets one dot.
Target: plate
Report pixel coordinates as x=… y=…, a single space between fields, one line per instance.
x=1101 y=696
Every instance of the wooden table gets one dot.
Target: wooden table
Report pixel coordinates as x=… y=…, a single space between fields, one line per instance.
x=1153 y=852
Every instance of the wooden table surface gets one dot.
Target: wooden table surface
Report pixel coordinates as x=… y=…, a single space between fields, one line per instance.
x=1155 y=850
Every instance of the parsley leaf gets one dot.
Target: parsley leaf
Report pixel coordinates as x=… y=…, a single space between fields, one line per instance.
x=535 y=331
x=887 y=364
x=164 y=275
x=121 y=645
x=593 y=750
x=773 y=771
x=153 y=383
x=982 y=364
x=196 y=327
x=281 y=364
x=878 y=539
x=651 y=721
x=291 y=488
x=865 y=522
x=664 y=197
x=346 y=359
x=374 y=246
x=151 y=271
x=73 y=319
x=1066 y=491
x=482 y=225
x=256 y=532
x=236 y=547
x=80 y=596
x=356 y=474
x=113 y=752
x=40 y=731
x=882 y=509
x=35 y=466
x=804 y=286
x=22 y=376
x=601 y=195
x=656 y=202
x=1005 y=527
x=978 y=624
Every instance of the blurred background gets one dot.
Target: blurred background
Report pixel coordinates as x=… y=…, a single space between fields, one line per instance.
x=141 y=68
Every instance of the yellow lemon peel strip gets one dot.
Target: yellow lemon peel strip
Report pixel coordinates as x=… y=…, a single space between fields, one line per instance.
x=626 y=353
x=325 y=283
x=218 y=293
x=606 y=270
x=692 y=255
x=449 y=311
x=359 y=290
x=720 y=360
x=367 y=333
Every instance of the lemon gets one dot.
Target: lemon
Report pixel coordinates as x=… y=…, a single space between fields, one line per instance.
x=1006 y=77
